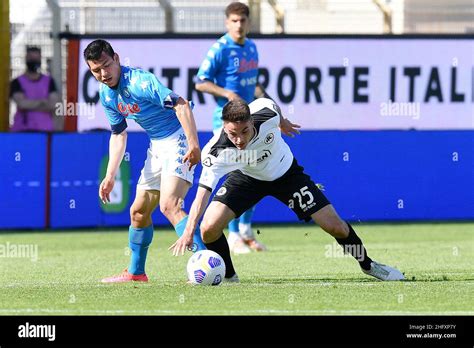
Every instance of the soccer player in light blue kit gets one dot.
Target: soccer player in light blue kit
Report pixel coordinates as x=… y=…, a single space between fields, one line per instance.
x=128 y=93
x=228 y=72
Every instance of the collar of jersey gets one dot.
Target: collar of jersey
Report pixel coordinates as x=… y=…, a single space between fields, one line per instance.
x=123 y=70
x=254 y=135
x=228 y=37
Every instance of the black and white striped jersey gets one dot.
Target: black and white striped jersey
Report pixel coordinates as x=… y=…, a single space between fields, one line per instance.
x=267 y=157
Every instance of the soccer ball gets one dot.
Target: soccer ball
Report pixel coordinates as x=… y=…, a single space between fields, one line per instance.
x=206 y=267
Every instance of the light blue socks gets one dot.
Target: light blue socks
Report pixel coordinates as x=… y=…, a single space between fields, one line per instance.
x=139 y=241
x=198 y=243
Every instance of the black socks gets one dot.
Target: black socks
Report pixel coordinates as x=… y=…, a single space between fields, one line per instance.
x=353 y=245
x=221 y=247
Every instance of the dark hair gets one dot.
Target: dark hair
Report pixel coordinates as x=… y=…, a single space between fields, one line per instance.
x=237 y=8
x=30 y=49
x=94 y=50
x=236 y=111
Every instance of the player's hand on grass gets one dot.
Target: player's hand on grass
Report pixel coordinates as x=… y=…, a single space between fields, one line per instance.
x=288 y=128
x=185 y=242
x=105 y=188
x=193 y=156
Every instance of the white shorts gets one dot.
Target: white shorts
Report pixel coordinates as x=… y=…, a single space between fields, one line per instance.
x=165 y=158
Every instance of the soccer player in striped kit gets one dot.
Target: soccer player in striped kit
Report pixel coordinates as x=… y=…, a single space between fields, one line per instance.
x=274 y=171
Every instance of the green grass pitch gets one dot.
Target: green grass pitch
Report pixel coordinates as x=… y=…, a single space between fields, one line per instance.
x=301 y=274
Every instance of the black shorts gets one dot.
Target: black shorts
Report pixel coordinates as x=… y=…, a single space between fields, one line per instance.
x=295 y=189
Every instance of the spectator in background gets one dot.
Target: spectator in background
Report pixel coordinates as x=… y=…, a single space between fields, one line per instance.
x=35 y=95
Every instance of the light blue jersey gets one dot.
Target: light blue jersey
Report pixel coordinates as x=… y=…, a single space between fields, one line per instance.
x=141 y=97
x=233 y=67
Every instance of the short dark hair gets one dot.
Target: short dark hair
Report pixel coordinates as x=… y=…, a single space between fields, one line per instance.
x=33 y=49
x=237 y=8
x=236 y=111
x=94 y=50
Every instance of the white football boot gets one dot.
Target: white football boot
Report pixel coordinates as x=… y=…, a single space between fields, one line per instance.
x=237 y=244
x=384 y=272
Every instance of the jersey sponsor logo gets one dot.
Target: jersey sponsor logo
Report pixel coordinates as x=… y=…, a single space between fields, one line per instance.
x=269 y=138
x=207 y=162
x=246 y=65
x=126 y=109
x=248 y=81
x=222 y=191
x=266 y=154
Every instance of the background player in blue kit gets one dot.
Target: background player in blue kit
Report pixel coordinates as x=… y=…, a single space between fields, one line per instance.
x=229 y=72
x=129 y=93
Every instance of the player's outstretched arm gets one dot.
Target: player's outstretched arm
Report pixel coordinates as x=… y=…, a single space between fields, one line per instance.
x=186 y=118
x=197 y=210
x=217 y=91
x=288 y=128
x=117 y=145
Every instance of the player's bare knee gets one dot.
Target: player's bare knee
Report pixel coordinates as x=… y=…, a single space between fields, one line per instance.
x=170 y=209
x=205 y=232
x=208 y=232
x=138 y=217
